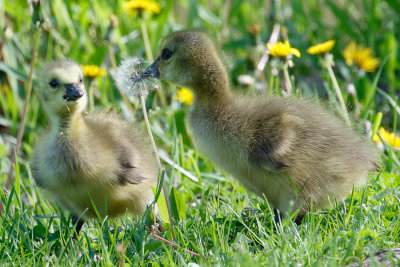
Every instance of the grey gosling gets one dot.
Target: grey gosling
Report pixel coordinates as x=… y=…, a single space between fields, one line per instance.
x=291 y=151
x=95 y=157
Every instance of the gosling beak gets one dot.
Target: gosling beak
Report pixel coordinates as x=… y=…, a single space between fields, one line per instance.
x=152 y=71
x=73 y=92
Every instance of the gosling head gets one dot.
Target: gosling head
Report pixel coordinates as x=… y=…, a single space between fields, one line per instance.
x=189 y=59
x=61 y=89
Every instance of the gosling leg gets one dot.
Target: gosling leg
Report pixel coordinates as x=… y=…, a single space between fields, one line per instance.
x=278 y=218
x=299 y=219
x=79 y=223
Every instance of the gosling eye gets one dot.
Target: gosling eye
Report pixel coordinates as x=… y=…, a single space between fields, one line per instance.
x=53 y=83
x=166 y=54
x=80 y=79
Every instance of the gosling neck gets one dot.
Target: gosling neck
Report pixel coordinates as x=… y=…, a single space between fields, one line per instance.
x=212 y=86
x=65 y=124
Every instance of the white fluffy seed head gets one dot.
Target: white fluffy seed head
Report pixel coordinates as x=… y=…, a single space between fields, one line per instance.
x=129 y=79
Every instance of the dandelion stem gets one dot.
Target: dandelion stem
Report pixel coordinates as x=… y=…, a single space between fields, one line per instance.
x=271 y=84
x=90 y=94
x=287 y=79
x=228 y=7
x=146 y=40
x=3 y=41
x=112 y=56
x=149 y=55
x=338 y=92
x=264 y=59
x=377 y=123
x=22 y=123
x=356 y=104
x=276 y=88
x=166 y=195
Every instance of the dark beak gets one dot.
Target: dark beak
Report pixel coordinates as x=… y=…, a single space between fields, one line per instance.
x=152 y=71
x=73 y=92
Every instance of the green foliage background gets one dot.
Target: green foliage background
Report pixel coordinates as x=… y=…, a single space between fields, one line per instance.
x=220 y=220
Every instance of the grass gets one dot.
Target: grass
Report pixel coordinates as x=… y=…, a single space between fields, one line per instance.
x=215 y=217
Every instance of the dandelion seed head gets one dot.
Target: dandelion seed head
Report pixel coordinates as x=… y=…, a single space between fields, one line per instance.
x=129 y=77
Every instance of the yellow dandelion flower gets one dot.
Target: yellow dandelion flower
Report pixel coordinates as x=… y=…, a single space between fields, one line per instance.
x=185 y=96
x=389 y=137
x=93 y=71
x=282 y=49
x=361 y=56
x=321 y=48
x=369 y=64
x=149 y=6
x=349 y=52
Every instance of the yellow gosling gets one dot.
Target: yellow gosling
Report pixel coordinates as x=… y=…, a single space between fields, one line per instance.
x=89 y=157
x=290 y=150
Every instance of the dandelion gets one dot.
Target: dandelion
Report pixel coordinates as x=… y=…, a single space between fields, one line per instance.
x=138 y=6
x=321 y=48
x=389 y=137
x=141 y=6
x=282 y=49
x=361 y=56
x=129 y=78
x=328 y=62
x=185 y=96
x=93 y=71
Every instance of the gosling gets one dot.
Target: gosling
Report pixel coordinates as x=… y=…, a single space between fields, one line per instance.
x=89 y=160
x=291 y=151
